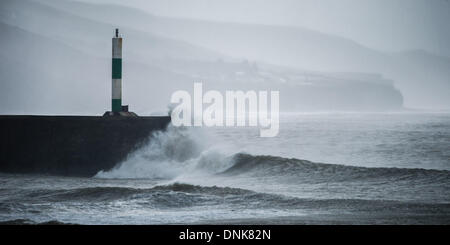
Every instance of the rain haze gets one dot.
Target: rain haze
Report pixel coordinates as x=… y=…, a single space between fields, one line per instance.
x=360 y=55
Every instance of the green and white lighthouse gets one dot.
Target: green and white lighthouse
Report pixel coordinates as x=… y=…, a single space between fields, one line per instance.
x=116 y=99
x=117 y=109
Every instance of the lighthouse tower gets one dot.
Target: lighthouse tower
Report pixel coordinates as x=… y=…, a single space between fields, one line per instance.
x=117 y=109
x=116 y=99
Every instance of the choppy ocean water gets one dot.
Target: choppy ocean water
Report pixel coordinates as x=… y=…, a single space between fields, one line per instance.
x=323 y=168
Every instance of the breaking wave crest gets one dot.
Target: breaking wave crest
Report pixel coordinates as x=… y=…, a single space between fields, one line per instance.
x=311 y=171
x=182 y=151
x=171 y=153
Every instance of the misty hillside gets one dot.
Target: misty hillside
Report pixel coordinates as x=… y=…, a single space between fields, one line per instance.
x=423 y=79
x=71 y=53
x=93 y=36
x=44 y=76
x=37 y=74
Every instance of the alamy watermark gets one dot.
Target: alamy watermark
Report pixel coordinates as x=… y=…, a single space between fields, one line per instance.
x=229 y=112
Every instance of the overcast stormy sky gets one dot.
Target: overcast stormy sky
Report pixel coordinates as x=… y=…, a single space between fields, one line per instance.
x=320 y=54
x=386 y=25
